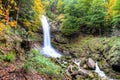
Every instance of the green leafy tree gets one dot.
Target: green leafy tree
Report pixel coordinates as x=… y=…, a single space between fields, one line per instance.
x=87 y=16
x=116 y=16
x=76 y=12
x=60 y=6
x=70 y=26
x=96 y=15
x=50 y=7
x=26 y=9
x=29 y=14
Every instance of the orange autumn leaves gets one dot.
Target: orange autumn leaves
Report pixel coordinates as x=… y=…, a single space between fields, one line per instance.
x=2 y=27
x=5 y=8
x=9 y=11
x=13 y=23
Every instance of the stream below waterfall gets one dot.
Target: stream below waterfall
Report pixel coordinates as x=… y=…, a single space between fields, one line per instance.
x=100 y=73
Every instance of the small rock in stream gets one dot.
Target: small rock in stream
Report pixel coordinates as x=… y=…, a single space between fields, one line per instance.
x=84 y=72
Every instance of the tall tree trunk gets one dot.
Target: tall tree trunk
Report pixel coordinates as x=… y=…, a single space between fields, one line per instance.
x=17 y=15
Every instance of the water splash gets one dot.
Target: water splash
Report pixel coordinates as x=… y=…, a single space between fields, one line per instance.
x=48 y=50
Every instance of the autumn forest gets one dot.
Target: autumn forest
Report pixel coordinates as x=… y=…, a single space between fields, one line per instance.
x=59 y=39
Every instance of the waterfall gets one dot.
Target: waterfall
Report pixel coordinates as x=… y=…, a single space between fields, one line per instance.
x=48 y=50
x=46 y=31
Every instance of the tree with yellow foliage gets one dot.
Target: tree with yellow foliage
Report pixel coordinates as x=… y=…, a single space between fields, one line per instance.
x=1 y=8
x=60 y=5
x=2 y=27
x=109 y=7
x=38 y=7
x=29 y=14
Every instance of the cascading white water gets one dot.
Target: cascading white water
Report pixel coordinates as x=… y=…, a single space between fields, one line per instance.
x=99 y=72
x=48 y=50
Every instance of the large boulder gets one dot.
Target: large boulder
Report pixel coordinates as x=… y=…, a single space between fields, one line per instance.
x=54 y=26
x=91 y=63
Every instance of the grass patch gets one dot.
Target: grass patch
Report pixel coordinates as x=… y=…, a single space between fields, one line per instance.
x=41 y=64
x=9 y=57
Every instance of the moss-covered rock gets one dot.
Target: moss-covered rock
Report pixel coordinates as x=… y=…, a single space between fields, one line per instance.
x=61 y=39
x=112 y=52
